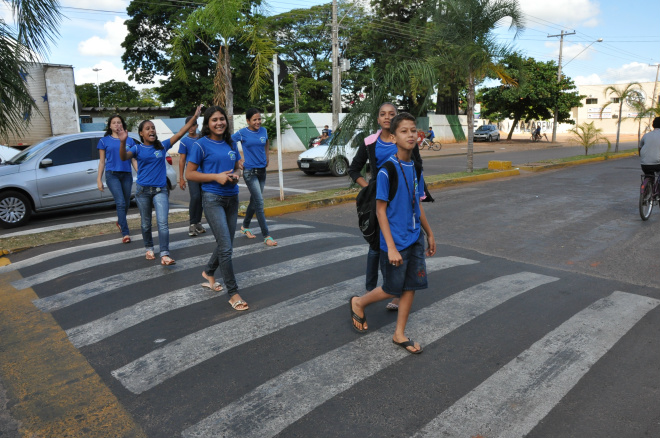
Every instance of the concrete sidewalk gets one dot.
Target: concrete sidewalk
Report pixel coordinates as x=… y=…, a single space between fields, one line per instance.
x=519 y=142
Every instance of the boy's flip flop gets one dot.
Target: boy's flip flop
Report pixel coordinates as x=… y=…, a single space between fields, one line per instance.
x=408 y=343
x=392 y=306
x=355 y=317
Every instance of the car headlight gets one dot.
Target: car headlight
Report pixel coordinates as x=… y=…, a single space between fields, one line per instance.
x=320 y=159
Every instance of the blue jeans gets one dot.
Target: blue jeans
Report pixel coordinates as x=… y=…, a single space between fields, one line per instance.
x=373 y=258
x=120 y=184
x=147 y=198
x=255 y=179
x=221 y=214
x=195 y=206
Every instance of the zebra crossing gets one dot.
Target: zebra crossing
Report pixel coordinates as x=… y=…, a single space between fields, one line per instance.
x=160 y=340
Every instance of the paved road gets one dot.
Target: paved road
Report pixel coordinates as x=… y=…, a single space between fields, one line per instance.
x=296 y=182
x=541 y=321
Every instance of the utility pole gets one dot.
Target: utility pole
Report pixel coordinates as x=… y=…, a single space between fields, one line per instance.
x=561 y=46
x=655 y=84
x=336 y=73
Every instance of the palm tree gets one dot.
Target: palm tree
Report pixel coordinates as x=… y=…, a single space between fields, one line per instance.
x=643 y=114
x=36 y=26
x=587 y=135
x=630 y=91
x=464 y=28
x=225 y=21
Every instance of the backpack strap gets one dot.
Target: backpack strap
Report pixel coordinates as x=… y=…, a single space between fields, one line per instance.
x=371 y=153
x=393 y=178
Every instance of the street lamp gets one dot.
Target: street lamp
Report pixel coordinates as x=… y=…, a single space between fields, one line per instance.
x=599 y=40
x=98 y=89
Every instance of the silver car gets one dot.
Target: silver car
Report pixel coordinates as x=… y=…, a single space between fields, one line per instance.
x=59 y=172
x=487 y=133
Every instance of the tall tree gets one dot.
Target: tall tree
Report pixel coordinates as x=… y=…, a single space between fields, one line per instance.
x=36 y=25
x=221 y=22
x=630 y=92
x=532 y=96
x=465 y=31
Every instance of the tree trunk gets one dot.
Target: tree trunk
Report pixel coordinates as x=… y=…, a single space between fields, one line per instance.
x=224 y=92
x=229 y=105
x=470 y=122
x=513 y=127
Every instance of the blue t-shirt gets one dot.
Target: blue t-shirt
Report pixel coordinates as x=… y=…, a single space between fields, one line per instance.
x=151 y=164
x=254 y=146
x=185 y=144
x=111 y=147
x=384 y=150
x=215 y=157
x=403 y=218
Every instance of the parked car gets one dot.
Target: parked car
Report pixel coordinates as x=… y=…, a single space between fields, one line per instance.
x=57 y=173
x=487 y=133
x=321 y=159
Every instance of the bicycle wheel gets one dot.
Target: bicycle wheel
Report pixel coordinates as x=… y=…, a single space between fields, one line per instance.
x=646 y=200
x=437 y=146
x=421 y=145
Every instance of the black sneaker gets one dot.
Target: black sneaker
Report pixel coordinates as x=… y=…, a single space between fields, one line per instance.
x=200 y=229
x=192 y=231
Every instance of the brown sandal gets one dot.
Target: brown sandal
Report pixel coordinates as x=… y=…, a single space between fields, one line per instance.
x=150 y=255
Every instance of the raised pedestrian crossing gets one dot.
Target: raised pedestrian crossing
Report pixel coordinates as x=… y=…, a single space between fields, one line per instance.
x=320 y=267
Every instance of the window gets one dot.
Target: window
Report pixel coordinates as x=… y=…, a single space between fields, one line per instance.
x=615 y=100
x=75 y=151
x=592 y=101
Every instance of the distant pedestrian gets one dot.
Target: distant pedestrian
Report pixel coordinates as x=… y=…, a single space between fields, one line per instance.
x=152 y=190
x=194 y=188
x=215 y=162
x=401 y=241
x=255 y=143
x=118 y=175
x=430 y=135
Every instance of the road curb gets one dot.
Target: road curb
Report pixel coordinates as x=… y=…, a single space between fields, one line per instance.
x=336 y=200
x=542 y=167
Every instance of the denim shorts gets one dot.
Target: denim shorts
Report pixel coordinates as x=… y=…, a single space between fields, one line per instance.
x=411 y=275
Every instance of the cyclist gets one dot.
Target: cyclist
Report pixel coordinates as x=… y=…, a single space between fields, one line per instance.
x=649 y=149
x=537 y=133
x=430 y=135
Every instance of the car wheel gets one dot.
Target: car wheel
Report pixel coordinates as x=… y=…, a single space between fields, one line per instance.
x=498 y=137
x=15 y=209
x=309 y=172
x=339 y=167
x=490 y=138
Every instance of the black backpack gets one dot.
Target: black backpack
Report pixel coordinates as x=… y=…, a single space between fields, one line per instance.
x=366 y=206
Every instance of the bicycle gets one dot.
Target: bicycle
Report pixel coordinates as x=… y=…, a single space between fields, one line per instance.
x=534 y=138
x=432 y=146
x=648 y=195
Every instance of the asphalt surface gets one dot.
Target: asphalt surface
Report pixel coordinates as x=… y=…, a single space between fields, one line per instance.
x=541 y=320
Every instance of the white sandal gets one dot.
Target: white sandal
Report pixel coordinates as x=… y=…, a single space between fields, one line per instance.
x=237 y=303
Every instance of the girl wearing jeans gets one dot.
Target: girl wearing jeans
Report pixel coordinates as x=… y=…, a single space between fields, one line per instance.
x=215 y=162
x=151 y=184
x=255 y=144
x=118 y=174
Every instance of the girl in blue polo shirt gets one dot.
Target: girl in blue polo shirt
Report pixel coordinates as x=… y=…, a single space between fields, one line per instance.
x=118 y=174
x=215 y=162
x=255 y=144
x=151 y=187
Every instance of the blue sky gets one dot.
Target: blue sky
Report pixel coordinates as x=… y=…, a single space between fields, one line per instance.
x=93 y=31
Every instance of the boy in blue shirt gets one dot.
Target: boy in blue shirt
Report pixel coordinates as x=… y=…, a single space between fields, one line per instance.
x=401 y=241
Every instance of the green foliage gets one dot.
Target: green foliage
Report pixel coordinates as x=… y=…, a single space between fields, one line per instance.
x=269 y=123
x=630 y=92
x=534 y=94
x=116 y=94
x=27 y=41
x=587 y=135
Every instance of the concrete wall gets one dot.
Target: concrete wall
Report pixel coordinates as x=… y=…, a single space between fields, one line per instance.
x=61 y=95
x=39 y=124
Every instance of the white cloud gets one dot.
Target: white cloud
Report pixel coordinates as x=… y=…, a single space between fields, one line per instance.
x=108 y=71
x=633 y=72
x=110 y=45
x=592 y=79
x=565 y=12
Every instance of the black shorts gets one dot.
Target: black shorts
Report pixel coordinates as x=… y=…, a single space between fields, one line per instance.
x=650 y=169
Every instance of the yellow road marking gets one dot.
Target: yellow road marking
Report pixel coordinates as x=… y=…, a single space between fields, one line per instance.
x=52 y=389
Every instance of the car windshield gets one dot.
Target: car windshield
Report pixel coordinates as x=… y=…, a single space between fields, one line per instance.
x=483 y=128
x=28 y=153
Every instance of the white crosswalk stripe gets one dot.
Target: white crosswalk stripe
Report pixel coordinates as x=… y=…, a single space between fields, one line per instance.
x=270 y=408
x=98 y=287
x=182 y=354
x=95 y=262
x=125 y=318
x=512 y=401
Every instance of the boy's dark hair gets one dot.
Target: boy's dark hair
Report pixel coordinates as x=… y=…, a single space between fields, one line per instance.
x=251 y=112
x=157 y=144
x=188 y=119
x=396 y=121
x=656 y=123
x=226 y=136
x=108 y=131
